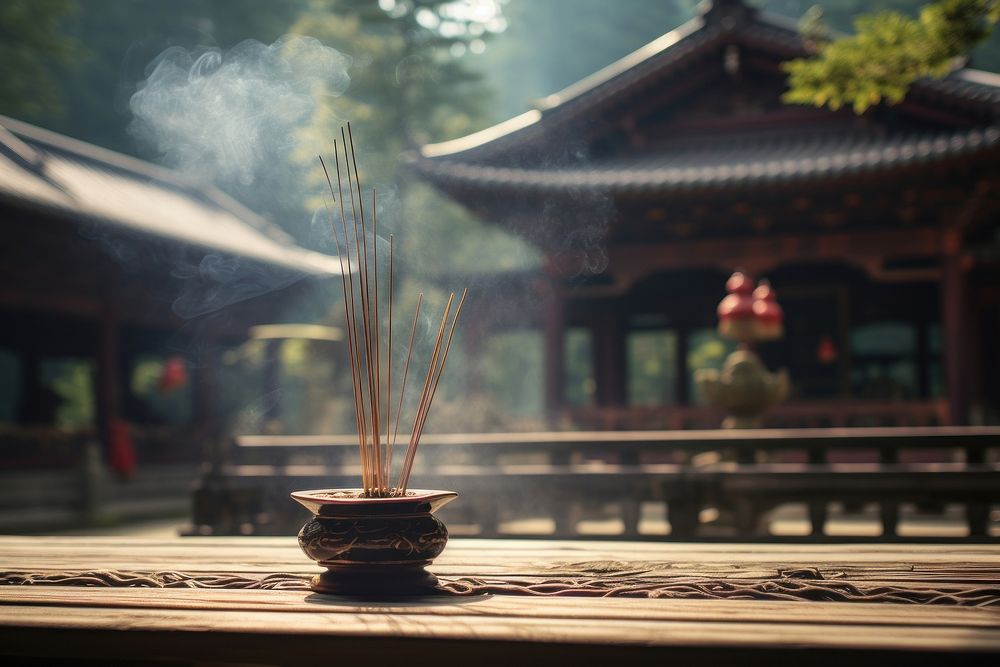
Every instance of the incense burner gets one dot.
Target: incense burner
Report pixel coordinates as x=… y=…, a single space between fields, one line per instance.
x=373 y=546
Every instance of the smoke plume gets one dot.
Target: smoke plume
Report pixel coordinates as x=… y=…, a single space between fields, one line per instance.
x=232 y=118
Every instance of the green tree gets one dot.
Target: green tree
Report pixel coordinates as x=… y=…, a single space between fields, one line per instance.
x=409 y=81
x=888 y=52
x=106 y=45
x=31 y=44
x=410 y=84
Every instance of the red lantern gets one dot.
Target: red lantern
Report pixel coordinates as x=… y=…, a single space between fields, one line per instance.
x=121 y=449
x=735 y=311
x=174 y=374
x=826 y=351
x=770 y=318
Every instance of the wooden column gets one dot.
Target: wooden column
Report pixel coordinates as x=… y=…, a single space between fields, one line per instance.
x=609 y=358
x=204 y=377
x=554 y=326
x=681 y=393
x=923 y=359
x=108 y=372
x=973 y=346
x=953 y=325
x=473 y=342
x=272 y=377
x=31 y=386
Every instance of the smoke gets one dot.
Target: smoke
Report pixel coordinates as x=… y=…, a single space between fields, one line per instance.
x=219 y=281
x=234 y=118
x=584 y=243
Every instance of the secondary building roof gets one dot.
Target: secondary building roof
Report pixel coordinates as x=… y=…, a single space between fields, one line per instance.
x=61 y=176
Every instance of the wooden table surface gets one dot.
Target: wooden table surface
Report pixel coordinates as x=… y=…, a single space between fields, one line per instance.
x=243 y=600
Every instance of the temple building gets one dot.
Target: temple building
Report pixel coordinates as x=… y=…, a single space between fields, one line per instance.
x=122 y=286
x=646 y=184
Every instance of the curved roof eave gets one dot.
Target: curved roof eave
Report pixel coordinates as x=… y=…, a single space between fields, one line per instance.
x=529 y=119
x=760 y=27
x=57 y=175
x=783 y=163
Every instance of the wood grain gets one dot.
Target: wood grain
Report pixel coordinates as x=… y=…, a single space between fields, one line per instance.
x=284 y=626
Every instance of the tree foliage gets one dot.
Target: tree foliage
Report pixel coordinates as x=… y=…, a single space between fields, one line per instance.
x=30 y=45
x=96 y=51
x=888 y=52
x=411 y=83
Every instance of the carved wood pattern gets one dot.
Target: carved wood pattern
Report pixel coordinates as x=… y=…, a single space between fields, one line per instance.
x=805 y=584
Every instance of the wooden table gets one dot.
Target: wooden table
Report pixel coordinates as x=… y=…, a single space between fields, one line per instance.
x=243 y=600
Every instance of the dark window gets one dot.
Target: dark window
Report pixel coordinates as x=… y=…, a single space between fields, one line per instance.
x=884 y=361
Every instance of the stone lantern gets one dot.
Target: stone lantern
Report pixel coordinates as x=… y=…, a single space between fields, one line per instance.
x=744 y=387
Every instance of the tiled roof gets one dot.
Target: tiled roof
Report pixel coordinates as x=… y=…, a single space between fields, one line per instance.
x=64 y=177
x=706 y=164
x=479 y=159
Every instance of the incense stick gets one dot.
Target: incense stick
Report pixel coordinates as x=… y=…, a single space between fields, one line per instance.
x=347 y=279
x=437 y=380
x=388 y=381
x=364 y=334
x=364 y=364
x=414 y=433
x=344 y=276
x=406 y=366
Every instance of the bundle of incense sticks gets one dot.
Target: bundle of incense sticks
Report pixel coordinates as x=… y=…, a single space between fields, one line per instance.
x=372 y=399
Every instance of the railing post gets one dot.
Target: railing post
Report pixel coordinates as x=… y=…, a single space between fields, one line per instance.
x=817 y=517
x=977 y=514
x=890 y=518
x=91 y=482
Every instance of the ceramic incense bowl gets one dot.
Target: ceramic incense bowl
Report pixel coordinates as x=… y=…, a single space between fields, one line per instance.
x=373 y=546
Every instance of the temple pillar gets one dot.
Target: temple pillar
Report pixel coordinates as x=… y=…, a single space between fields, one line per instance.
x=205 y=383
x=31 y=385
x=272 y=380
x=923 y=358
x=108 y=373
x=953 y=296
x=473 y=342
x=681 y=385
x=554 y=326
x=609 y=358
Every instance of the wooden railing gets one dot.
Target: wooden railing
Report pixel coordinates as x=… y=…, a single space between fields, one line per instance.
x=556 y=473
x=53 y=478
x=801 y=414
x=42 y=447
x=967 y=443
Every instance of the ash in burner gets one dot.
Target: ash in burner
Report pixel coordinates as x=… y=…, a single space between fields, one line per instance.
x=355 y=494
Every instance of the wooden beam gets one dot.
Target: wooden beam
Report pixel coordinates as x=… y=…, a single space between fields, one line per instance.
x=952 y=295
x=681 y=392
x=629 y=263
x=610 y=367
x=108 y=373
